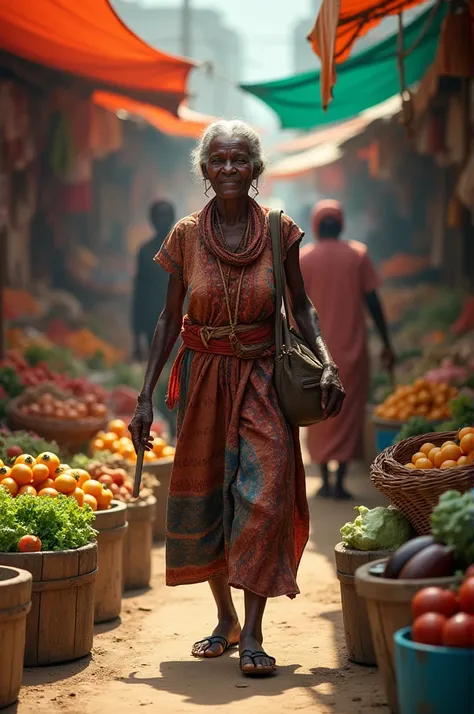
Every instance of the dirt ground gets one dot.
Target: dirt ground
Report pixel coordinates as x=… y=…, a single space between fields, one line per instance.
x=142 y=661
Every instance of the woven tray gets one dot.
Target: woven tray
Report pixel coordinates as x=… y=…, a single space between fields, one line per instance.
x=69 y=435
x=416 y=493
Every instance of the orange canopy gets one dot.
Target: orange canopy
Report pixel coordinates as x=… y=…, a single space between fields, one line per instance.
x=87 y=39
x=339 y=24
x=188 y=123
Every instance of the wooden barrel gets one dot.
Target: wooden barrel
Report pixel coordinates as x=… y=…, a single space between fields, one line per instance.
x=60 y=625
x=112 y=526
x=138 y=543
x=15 y=604
x=162 y=470
x=359 y=644
x=388 y=605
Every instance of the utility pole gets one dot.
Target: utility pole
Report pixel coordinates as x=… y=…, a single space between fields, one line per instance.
x=186 y=28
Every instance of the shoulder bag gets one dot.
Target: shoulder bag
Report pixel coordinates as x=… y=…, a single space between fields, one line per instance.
x=298 y=371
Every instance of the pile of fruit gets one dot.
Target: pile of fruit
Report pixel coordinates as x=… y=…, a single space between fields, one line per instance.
x=443 y=617
x=58 y=405
x=424 y=399
x=44 y=476
x=116 y=441
x=113 y=476
x=447 y=456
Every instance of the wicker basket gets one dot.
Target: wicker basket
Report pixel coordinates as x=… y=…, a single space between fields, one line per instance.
x=416 y=493
x=69 y=435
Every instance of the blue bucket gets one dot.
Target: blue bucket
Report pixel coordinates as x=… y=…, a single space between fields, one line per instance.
x=385 y=433
x=433 y=680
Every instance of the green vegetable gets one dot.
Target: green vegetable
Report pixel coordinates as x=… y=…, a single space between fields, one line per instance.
x=60 y=523
x=28 y=443
x=452 y=523
x=462 y=414
x=376 y=529
x=416 y=426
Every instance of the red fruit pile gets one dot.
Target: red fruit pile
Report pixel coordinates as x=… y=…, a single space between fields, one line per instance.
x=442 y=618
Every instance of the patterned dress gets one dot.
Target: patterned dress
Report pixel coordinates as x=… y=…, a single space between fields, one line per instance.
x=237 y=502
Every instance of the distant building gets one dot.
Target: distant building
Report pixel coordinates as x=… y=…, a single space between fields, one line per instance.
x=211 y=41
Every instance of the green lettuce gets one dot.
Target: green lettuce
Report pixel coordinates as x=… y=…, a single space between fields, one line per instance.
x=452 y=523
x=378 y=528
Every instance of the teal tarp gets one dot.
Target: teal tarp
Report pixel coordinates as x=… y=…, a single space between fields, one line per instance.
x=363 y=81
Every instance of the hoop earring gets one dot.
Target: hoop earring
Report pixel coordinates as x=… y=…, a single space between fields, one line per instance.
x=255 y=188
x=206 y=188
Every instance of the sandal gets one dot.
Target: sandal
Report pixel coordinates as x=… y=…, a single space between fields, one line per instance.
x=257 y=671
x=209 y=641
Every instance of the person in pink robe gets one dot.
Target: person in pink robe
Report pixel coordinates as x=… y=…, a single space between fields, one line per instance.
x=342 y=283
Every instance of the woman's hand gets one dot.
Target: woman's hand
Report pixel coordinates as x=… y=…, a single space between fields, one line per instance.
x=332 y=391
x=141 y=423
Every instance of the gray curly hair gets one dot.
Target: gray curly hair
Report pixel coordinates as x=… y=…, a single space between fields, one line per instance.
x=234 y=129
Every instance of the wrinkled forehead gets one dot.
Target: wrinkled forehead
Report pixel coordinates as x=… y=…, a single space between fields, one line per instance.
x=223 y=145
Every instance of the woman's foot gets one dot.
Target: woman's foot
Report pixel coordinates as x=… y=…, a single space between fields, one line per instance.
x=324 y=492
x=226 y=634
x=340 y=494
x=253 y=660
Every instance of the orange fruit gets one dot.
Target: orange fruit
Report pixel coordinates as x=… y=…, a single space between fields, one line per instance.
x=451 y=452
x=158 y=446
x=410 y=466
x=118 y=427
x=78 y=495
x=1 y=463
x=40 y=473
x=109 y=440
x=423 y=464
x=426 y=448
x=22 y=474
x=50 y=459
x=449 y=443
x=466 y=430
x=127 y=450
x=25 y=459
x=90 y=501
x=97 y=445
x=48 y=493
x=30 y=490
x=65 y=483
x=168 y=452
x=417 y=456
x=465 y=460
x=5 y=471
x=81 y=477
x=150 y=456
x=91 y=487
x=10 y=485
x=449 y=464
x=467 y=444
x=435 y=450
x=105 y=499
x=61 y=470
x=438 y=459
x=47 y=483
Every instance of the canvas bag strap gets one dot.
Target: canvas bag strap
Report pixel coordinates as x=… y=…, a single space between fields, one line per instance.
x=282 y=325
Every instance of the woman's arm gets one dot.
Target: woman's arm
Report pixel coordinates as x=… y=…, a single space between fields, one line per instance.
x=166 y=333
x=307 y=320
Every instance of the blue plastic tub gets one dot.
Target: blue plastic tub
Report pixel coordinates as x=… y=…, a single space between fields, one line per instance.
x=433 y=680
x=385 y=433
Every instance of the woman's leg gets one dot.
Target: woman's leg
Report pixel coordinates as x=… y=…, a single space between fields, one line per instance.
x=340 y=492
x=227 y=620
x=325 y=490
x=251 y=638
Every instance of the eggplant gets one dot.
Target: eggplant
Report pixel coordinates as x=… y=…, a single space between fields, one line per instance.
x=402 y=555
x=435 y=561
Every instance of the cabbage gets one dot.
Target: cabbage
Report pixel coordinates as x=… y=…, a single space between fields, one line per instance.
x=377 y=529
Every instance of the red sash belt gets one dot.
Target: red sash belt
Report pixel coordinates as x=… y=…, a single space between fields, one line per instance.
x=242 y=341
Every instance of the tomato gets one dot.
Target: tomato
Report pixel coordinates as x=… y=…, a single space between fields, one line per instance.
x=40 y=473
x=5 y=471
x=47 y=483
x=90 y=501
x=13 y=452
x=458 y=631
x=428 y=628
x=466 y=596
x=106 y=480
x=92 y=488
x=433 y=599
x=10 y=485
x=65 y=484
x=25 y=459
x=48 y=493
x=81 y=476
x=29 y=544
x=22 y=474
x=115 y=489
x=469 y=572
x=118 y=427
x=78 y=495
x=104 y=501
x=28 y=490
x=50 y=459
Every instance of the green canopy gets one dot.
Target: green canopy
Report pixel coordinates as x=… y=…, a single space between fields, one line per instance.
x=365 y=80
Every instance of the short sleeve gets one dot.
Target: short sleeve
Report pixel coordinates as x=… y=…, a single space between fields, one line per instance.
x=171 y=254
x=370 y=279
x=290 y=234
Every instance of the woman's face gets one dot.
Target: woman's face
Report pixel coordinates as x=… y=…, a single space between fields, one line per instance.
x=229 y=168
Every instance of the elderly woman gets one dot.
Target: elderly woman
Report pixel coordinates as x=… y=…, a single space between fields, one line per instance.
x=237 y=509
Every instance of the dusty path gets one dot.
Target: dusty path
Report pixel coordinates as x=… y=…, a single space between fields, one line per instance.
x=143 y=663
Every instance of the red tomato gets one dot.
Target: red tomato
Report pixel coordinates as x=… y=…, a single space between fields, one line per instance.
x=106 y=480
x=428 y=629
x=469 y=572
x=459 y=631
x=466 y=596
x=29 y=544
x=434 y=600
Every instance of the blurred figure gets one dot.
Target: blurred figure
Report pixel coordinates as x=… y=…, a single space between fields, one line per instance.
x=151 y=280
x=341 y=282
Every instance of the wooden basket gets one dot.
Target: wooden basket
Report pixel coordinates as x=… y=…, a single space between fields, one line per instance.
x=69 y=435
x=416 y=493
